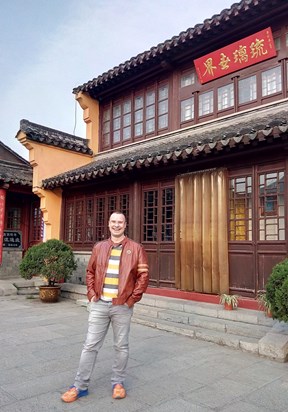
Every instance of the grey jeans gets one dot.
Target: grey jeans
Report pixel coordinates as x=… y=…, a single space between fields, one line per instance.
x=100 y=317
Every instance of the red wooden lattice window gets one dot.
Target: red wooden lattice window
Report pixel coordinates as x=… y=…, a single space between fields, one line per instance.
x=86 y=218
x=37 y=227
x=240 y=208
x=158 y=215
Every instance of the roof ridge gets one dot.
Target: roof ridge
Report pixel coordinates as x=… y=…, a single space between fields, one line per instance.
x=166 y=45
x=54 y=137
x=252 y=130
x=25 y=124
x=14 y=153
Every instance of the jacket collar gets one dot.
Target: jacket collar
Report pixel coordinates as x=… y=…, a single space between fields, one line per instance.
x=123 y=242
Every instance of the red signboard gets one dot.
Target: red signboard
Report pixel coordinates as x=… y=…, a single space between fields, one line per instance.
x=2 y=219
x=243 y=53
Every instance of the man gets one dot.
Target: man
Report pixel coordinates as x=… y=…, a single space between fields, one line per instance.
x=116 y=277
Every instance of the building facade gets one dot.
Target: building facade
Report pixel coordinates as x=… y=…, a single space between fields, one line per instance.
x=189 y=140
x=21 y=223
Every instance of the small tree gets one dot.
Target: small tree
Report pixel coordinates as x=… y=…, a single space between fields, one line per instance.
x=52 y=260
x=277 y=291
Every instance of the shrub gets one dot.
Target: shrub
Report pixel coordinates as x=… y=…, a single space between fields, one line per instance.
x=277 y=291
x=53 y=260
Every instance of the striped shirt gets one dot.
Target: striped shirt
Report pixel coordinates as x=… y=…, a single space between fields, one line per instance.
x=111 y=281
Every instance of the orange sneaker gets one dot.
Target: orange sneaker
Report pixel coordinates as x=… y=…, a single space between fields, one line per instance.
x=118 y=391
x=73 y=394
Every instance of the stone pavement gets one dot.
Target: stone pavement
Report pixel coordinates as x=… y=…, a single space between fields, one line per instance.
x=40 y=345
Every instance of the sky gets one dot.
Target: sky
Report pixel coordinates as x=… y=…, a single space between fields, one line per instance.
x=48 y=47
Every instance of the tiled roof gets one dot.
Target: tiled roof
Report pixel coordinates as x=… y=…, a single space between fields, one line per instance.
x=45 y=135
x=188 y=38
x=222 y=135
x=7 y=154
x=14 y=173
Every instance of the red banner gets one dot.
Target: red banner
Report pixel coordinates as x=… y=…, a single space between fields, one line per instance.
x=2 y=220
x=243 y=53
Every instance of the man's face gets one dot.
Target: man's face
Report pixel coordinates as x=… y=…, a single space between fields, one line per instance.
x=117 y=225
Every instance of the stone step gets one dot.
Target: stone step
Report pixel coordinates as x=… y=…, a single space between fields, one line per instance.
x=152 y=305
x=206 y=322
x=242 y=329
x=245 y=343
x=26 y=287
x=28 y=290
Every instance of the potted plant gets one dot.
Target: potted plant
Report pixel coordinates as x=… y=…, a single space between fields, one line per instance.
x=53 y=261
x=230 y=302
x=264 y=303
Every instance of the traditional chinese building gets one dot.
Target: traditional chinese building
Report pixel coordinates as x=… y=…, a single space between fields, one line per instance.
x=20 y=215
x=189 y=140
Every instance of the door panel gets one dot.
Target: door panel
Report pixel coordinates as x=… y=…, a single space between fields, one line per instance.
x=166 y=266
x=158 y=232
x=268 y=255
x=151 y=251
x=242 y=270
x=257 y=225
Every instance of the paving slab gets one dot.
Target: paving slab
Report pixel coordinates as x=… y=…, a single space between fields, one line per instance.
x=40 y=345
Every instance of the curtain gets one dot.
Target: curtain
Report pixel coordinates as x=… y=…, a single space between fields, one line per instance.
x=201 y=240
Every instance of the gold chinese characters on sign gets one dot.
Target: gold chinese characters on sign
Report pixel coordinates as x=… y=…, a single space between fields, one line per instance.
x=236 y=56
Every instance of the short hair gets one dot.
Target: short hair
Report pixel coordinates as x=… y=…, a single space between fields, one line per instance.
x=118 y=212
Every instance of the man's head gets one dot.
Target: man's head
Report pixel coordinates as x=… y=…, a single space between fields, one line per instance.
x=117 y=226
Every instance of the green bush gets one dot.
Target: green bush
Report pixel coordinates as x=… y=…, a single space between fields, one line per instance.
x=53 y=260
x=277 y=291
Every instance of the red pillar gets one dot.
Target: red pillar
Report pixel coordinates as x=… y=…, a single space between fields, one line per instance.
x=2 y=219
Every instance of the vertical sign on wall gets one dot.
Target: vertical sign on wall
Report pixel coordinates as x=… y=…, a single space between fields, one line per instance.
x=2 y=220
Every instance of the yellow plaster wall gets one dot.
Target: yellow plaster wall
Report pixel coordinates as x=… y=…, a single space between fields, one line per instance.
x=91 y=118
x=48 y=161
x=50 y=204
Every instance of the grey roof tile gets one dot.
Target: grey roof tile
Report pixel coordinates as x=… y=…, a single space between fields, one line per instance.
x=53 y=137
x=15 y=173
x=236 y=13
x=209 y=138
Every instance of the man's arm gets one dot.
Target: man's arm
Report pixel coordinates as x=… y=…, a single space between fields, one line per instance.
x=90 y=275
x=142 y=281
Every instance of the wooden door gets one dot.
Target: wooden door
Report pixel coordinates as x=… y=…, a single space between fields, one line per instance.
x=257 y=225
x=157 y=232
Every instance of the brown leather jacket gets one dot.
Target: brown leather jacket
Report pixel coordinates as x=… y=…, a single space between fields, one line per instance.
x=133 y=271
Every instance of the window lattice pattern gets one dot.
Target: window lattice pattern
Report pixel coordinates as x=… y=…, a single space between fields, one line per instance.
x=271 y=206
x=89 y=227
x=14 y=218
x=158 y=215
x=86 y=218
x=240 y=208
x=79 y=214
x=150 y=216
x=69 y=221
x=135 y=116
x=101 y=229
x=271 y=81
x=167 y=224
x=124 y=207
x=37 y=224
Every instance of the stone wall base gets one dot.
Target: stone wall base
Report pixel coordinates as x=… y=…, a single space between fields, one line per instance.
x=11 y=260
